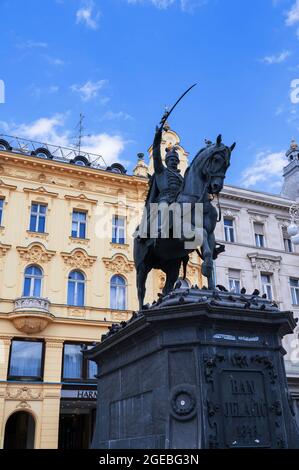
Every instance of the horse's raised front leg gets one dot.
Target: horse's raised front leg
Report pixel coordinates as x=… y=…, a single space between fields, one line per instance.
x=172 y=273
x=141 y=276
x=207 y=265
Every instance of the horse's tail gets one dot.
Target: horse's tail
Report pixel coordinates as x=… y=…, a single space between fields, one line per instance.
x=185 y=264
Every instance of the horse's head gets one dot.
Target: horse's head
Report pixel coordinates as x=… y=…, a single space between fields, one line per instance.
x=213 y=162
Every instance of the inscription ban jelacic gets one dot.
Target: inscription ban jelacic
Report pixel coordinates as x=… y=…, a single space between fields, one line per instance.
x=244 y=409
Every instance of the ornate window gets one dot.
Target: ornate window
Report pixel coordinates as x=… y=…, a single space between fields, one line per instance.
x=118 y=293
x=76 y=289
x=38 y=217
x=79 y=224
x=26 y=360
x=33 y=281
x=267 y=285
x=118 y=229
x=1 y=210
x=259 y=236
x=75 y=367
x=234 y=280
x=229 y=230
x=294 y=285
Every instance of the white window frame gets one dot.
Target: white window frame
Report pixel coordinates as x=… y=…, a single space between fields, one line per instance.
x=267 y=287
x=119 y=230
x=229 y=231
x=39 y=215
x=294 y=291
x=78 y=224
x=257 y=239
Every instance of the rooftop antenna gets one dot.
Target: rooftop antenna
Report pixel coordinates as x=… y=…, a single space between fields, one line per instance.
x=80 y=133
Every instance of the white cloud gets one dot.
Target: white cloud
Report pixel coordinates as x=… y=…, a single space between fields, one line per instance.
x=161 y=4
x=50 y=130
x=267 y=168
x=29 y=44
x=276 y=59
x=54 y=60
x=88 y=15
x=53 y=89
x=109 y=146
x=185 y=5
x=53 y=131
x=120 y=115
x=89 y=90
x=293 y=14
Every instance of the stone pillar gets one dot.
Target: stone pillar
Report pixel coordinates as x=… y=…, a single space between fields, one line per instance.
x=52 y=391
x=53 y=360
x=5 y=342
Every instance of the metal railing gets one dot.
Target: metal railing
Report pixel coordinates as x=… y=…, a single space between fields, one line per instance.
x=58 y=152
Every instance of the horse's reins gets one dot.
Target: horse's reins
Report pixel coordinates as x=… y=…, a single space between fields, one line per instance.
x=219 y=208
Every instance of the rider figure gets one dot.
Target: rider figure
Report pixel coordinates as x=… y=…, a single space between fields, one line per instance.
x=166 y=182
x=167 y=179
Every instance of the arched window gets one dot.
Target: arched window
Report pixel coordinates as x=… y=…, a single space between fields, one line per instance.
x=118 y=290
x=76 y=289
x=33 y=281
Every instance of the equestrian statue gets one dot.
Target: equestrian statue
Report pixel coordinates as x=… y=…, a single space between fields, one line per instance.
x=203 y=180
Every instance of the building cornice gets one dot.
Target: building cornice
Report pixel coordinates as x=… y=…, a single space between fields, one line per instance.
x=71 y=169
x=265 y=248
x=254 y=197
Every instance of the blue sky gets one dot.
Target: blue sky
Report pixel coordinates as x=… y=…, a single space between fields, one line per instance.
x=121 y=61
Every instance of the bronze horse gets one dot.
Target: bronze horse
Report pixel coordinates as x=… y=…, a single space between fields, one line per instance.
x=203 y=178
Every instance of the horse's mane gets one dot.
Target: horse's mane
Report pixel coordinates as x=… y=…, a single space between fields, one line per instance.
x=192 y=164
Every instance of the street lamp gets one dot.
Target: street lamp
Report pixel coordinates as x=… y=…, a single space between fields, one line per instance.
x=293 y=229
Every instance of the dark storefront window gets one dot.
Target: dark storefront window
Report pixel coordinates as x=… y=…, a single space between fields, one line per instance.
x=26 y=358
x=75 y=367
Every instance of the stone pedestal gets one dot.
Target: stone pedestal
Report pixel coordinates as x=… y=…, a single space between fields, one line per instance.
x=197 y=370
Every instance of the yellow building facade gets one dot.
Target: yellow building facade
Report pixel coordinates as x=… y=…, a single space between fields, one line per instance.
x=66 y=274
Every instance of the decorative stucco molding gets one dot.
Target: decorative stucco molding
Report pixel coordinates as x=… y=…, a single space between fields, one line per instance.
x=257 y=217
x=35 y=253
x=23 y=393
x=4 y=185
x=232 y=213
x=41 y=191
x=78 y=258
x=54 y=343
x=4 y=249
x=80 y=198
x=23 y=405
x=266 y=263
x=119 y=264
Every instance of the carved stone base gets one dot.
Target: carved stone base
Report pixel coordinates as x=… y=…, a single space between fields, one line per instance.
x=31 y=324
x=196 y=374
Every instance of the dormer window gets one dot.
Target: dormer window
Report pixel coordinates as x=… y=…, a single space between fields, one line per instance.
x=42 y=153
x=80 y=161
